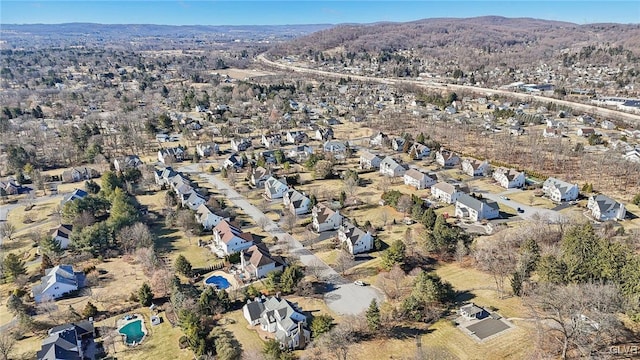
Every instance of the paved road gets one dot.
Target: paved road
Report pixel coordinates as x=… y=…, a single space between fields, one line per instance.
x=345 y=298
x=529 y=211
x=604 y=112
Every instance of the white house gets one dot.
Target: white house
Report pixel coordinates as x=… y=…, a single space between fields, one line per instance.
x=472 y=311
x=586 y=132
x=607 y=125
x=170 y=155
x=229 y=239
x=419 y=151
x=207 y=218
x=234 y=161
x=334 y=146
x=392 y=167
x=356 y=240
x=604 y=208
x=127 y=162
x=324 y=218
x=272 y=141
x=369 y=160
x=193 y=200
x=61 y=235
x=300 y=152
x=275 y=188
x=207 y=149
x=509 y=178
x=447 y=158
x=296 y=202
x=57 y=282
x=257 y=261
x=558 y=190
x=474 y=209
x=379 y=139
x=397 y=144
x=278 y=316
x=164 y=175
x=552 y=132
x=445 y=192
x=297 y=137
x=418 y=179
x=473 y=167
x=240 y=144
x=258 y=176
x=324 y=134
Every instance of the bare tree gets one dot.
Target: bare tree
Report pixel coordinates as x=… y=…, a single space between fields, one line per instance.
x=315 y=269
x=290 y=221
x=498 y=258
x=344 y=262
x=7 y=230
x=7 y=343
x=263 y=222
x=384 y=217
x=393 y=283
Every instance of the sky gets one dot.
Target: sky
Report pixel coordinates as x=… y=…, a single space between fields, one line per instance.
x=272 y=12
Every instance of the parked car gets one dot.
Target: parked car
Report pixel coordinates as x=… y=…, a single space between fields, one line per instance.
x=359 y=283
x=520 y=210
x=504 y=197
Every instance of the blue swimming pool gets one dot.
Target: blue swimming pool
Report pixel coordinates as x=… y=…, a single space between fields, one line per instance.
x=219 y=281
x=133 y=332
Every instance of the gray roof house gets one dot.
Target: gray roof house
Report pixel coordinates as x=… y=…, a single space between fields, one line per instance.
x=392 y=167
x=419 y=151
x=369 y=160
x=475 y=209
x=281 y=317
x=75 y=195
x=558 y=190
x=240 y=144
x=418 y=179
x=68 y=342
x=127 y=162
x=334 y=146
x=258 y=176
x=604 y=208
x=296 y=202
x=170 y=155
x=275 y=188
x=447 y=158
x=445 y=192
x=57 y=282
x=207 y=149
x=356 y=240
x=233 y=161
x=474 y=167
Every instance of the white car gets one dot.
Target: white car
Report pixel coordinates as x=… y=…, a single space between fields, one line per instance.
x=504 y=197
x=359 y=283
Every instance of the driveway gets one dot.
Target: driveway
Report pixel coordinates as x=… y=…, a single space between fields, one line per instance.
x=344 y=298
x=529 y=211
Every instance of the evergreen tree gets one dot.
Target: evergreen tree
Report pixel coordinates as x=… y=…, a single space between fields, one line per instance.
x=373 y=316
x=516 y=283
x=50 y=246
x=395 y=254
x=580 y=247
x=321 y=324
x=145 y=295
x=290 y=278
x=429 y=218
x=183 y=266
x=89 y=310
x=14 y=266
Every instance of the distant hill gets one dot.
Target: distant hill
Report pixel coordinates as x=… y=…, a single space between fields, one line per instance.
x=480 y=39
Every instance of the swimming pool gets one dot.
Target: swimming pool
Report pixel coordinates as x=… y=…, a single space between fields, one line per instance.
x=219 y=281
x=133 y=332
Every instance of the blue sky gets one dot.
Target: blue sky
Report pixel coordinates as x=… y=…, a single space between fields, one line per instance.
x=272 y=12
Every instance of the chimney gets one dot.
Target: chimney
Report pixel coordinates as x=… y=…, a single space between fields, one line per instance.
x=302 y=339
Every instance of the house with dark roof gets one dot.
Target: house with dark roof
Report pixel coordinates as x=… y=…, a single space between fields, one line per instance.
x=275 y=188
x=447 y=158
x=604 y=208
x=369 y=161
x=273 y=141
x=297 y=137
x=79 y=174
x=473 y=311
x=192 y=200
x=207 y=149
x=324 y=218
x=392 y=167
x=57 y=282
x=419 y=151
x=127 y=162
x=258 y=176
x=379 y=139
x=163 y=176
x=300 y=152
x=171 y=155
x=257 y=261
x=334 y=147
x=356 y=240
x=240 y=144
x=229 y=239
x=474 y=209
x=280 y=317
x=69 y=341
x=558 y=190
x=445 y=192
x=586 y=132
x=234 y=161
x=474 y=167
x=296 y=202
x=397 y=144
x=509 y=178
x=207 y=218
x=324 y=134
x=61 y=235
x=74 y=195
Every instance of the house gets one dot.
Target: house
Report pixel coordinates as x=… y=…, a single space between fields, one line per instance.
x=162 y=137
x=207 y=149
x=419 y=151
x=392 y=167
x=164 y=176
x=445 y=192
x=193 y=200
x=334 y=146
x=369 y=160
x=61 y=235
x=380 y=139
x=233 y=161
x=75 y=195
x=79 y=174
x=275 y=188
x=586 y=119
x=397 y=144
x=297 y=137
x=447 y=158
x=230 y=239
x=474 y=167
x=552 y=132
x=240 y=144
x=586 y=132
x=516 y=130
x=296 y=202
x=57 y=282
x=607 y=125
x=278 y=316
x=509 y=178
x=472 y=311
x=558 y=190
x=207 y=218
x=68 y=341
x=324 y=134
x=604 y=208
x=418 y=179
x=300 y=152
x=257 y=261
x=10 y=187
x=127 y=162
x=632 y=155
x=324 y=218
x=475 y=209
x=171 y=155
x=258 y=176
x=272 y=141
x=356 y=240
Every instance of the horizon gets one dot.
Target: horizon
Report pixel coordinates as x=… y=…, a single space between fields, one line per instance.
x=283 y=13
